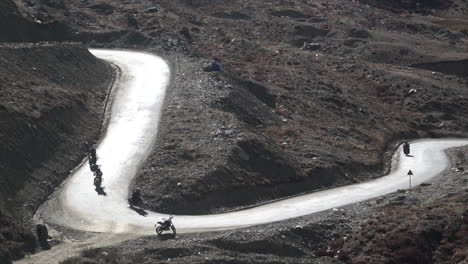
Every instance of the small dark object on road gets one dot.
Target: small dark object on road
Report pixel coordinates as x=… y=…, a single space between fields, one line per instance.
x=98 y=182
x=139 y=211
x=94 y=167
x=136 y=199
x=97 y=172
x=406 y=148
x=100 y=191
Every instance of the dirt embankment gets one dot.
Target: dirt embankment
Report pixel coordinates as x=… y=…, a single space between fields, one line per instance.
x=51 y=104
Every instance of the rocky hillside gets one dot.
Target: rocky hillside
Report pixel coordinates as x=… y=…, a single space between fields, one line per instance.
x=311 y=97
x=17 y=27
x=313 y=94
x=51 y=104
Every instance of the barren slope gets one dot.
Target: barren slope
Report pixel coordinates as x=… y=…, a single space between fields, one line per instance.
x=51 y=105
x=282 y=119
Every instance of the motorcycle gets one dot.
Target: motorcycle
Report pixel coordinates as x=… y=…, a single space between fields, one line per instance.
x=97 y=181
x=135 y=200
x=406 y=148
x=165 y=225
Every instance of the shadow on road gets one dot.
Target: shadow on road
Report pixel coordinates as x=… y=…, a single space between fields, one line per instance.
x=100 y=191
x=139 y=211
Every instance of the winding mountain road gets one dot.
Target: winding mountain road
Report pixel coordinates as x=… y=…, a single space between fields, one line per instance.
x=131 y=135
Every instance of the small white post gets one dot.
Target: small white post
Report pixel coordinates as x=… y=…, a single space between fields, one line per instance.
x=410 y=173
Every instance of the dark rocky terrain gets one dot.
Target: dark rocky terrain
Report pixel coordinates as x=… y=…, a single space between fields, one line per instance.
x=51 y=105
x=18 y=28
x=283 y=117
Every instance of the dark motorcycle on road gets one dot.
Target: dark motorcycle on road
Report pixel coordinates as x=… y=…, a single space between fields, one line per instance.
x=406 y=148
x=135 y=199
x=165 y=225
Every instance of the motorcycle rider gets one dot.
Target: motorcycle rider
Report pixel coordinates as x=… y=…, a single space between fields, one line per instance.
x=136 y=199
x=97 y=181
x=94 y=167
x=97 y=172
x=92 y=151
x=406 y=148
x=92 y=155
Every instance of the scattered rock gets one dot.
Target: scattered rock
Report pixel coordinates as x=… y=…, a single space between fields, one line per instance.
x=151 y=10
x=132 y=22
x=103 y=8
x=310 y=31
x=359 y=33
x=289 y=13
x=231 y=15
x=311 y=46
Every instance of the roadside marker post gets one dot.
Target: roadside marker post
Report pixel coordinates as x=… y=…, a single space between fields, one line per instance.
x=410 y=173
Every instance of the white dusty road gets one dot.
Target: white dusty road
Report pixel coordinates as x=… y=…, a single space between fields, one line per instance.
x=131 y=134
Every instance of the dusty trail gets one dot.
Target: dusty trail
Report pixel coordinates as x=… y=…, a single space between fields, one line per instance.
x=129 y=138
